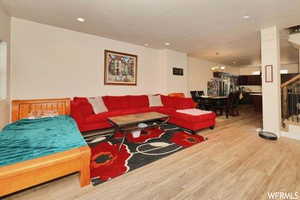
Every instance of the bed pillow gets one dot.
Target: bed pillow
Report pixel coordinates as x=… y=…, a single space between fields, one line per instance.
x=42 y=114
x=154 y=100
x=97 y=104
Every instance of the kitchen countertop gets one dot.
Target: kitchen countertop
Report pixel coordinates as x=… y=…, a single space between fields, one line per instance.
x=256 y=94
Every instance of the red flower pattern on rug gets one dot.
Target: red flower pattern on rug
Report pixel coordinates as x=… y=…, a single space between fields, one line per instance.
x=108 y=162
x=186 y=139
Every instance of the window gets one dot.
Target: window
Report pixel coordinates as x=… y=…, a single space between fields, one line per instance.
x=3 y=70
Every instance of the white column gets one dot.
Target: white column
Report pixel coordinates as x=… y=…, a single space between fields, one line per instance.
x=270 y=55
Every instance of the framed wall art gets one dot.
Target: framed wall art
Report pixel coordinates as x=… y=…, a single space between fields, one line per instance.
x=269 y=73
x=120 y=68
x=177 y=71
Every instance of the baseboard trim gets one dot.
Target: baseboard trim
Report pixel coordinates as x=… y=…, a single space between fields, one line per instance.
x=295 y=136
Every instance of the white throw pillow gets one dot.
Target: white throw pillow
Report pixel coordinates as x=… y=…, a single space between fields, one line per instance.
x=193 y=111
x=97 y=104
x=154 y=100
x=37 y=114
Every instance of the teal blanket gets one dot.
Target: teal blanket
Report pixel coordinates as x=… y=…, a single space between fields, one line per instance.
x=27 y=139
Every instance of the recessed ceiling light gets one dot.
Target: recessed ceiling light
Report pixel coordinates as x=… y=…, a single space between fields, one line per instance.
x=246 y=17
x=146 y=44
x=167 y=44
x=80 y=19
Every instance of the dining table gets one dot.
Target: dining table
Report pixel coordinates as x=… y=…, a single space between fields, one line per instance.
x=213 y=103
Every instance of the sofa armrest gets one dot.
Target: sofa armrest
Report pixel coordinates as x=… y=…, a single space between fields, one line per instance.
x=185 y=103
x=191 y=102
x=178 y=102
x=76 y=113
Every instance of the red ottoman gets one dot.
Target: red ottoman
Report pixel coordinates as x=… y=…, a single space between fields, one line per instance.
x=193 y=119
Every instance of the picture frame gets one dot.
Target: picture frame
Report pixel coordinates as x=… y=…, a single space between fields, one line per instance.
x=120 y=68
x=177 y=71
x=269 y=73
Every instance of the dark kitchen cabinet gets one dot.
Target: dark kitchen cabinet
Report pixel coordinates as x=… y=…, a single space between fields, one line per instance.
x=254 y=80
x=243 y=80
x=286 y=77
x=250 y=80
x=257 y=102
x=216 y=74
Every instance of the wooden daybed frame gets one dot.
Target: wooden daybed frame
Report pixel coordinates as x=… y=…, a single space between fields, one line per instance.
x=25 y=174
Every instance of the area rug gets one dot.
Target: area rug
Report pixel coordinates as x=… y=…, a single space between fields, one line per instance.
x=108 y=161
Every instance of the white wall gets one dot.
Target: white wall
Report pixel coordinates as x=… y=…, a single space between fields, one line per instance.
x=199 y=74
x=174 y=83
x=292 y=68
x=5 y=36
x=3 y=70
x=54 y=62
x=295 y=40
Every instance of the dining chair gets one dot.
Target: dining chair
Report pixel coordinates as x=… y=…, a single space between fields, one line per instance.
x=196 y=96
x=232 y=104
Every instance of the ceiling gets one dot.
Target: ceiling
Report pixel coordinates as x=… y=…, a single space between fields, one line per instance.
x=198 y=27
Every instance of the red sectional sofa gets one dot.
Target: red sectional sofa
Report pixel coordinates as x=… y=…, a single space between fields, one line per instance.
x=82 y=111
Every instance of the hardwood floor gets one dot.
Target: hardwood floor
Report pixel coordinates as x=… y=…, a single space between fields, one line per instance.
x=234 y=164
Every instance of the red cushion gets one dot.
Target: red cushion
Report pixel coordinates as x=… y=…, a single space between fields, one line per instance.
x=167 y=101
x=195 y=126
x=184 y=103
x=83 y=105
x=103 y=116
x=116 y=102
x=162 y=109
x=194 y=118
x=138 y=101
x=177 y=102
x=81 y=99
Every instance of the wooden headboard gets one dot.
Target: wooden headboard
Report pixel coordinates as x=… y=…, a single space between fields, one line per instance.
x=22 y=108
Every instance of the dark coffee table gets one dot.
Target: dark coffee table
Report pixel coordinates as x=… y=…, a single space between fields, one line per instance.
x=127 y=123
